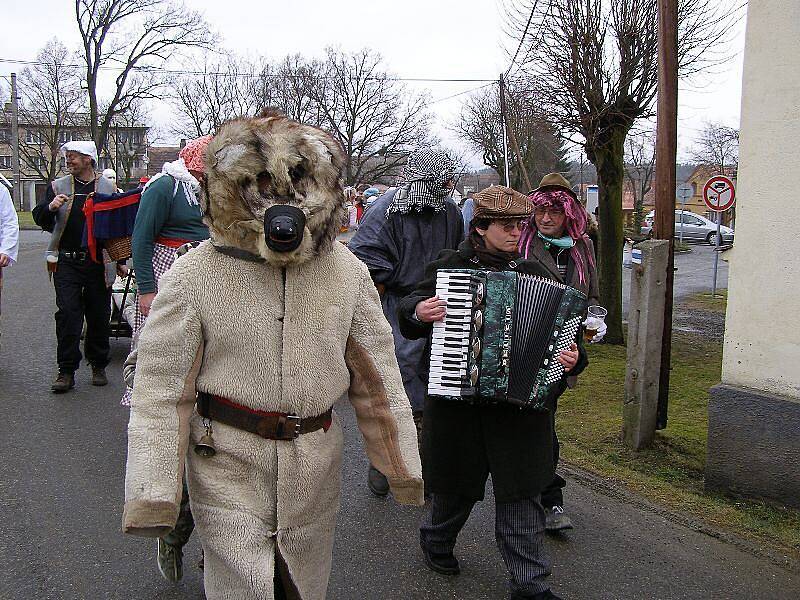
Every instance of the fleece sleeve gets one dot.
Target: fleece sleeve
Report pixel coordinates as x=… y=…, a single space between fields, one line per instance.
x=379 y=399
x=170 y=352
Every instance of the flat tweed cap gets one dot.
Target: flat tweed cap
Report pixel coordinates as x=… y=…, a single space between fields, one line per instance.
x=499 y=202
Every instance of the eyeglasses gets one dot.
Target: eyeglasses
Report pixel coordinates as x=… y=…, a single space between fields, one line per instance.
x=541 y=211
x=509 y=226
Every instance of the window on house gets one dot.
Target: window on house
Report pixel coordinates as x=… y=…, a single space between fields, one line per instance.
x=5 y=162
x=5 y=135
x=35 y=136
x=64 y=136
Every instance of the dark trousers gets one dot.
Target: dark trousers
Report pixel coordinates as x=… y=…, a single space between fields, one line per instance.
x=81 y=292
x=553 y=494
x=519 y=532
x=184 y=526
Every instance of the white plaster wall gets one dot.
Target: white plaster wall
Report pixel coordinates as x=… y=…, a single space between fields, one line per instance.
x=762 y=337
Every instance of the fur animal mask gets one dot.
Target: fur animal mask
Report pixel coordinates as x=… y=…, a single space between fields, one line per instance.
x=255 y=163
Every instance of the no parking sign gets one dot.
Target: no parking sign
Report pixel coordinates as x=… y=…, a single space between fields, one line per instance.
x=719 y=193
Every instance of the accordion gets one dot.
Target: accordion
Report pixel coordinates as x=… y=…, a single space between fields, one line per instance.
x=501 y=337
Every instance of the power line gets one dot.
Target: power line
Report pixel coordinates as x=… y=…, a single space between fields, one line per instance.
x=480 y=87
x=522 y=39
x=146 y=69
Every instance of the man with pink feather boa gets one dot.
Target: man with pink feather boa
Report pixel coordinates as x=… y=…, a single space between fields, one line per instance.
x=556 y=238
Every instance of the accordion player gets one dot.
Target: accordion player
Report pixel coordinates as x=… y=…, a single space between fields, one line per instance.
x=501 y=336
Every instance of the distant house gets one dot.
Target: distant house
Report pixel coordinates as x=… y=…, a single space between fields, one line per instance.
x=158 y=155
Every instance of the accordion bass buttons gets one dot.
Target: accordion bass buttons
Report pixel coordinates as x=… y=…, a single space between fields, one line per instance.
x=476 y=349
x=473 y=375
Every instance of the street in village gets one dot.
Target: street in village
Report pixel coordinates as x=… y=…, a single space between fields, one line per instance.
x=61 y=491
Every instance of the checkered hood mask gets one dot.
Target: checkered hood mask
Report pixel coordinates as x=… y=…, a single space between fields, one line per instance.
x=424 y=177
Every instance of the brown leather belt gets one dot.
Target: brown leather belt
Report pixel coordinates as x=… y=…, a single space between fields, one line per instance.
x=268 y=425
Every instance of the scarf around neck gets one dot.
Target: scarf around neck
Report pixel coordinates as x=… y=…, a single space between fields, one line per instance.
x=178 y=171
x=562 y=242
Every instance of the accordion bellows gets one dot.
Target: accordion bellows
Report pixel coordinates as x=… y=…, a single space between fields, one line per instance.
x=502 y=336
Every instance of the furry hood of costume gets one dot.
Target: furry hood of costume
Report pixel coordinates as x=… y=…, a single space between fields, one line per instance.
x=255 y=163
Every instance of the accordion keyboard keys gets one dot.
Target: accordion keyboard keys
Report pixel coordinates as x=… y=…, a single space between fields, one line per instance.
x=450 y=340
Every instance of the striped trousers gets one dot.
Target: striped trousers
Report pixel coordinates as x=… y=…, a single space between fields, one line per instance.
x=519 y=531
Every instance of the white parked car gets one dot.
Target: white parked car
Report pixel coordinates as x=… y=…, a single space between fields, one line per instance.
x=696 y=228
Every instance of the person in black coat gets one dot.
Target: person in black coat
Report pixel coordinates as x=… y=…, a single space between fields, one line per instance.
x=463 y=443
x=404 y=230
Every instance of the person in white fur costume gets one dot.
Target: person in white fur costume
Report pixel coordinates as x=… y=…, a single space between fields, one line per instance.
x=265 y=330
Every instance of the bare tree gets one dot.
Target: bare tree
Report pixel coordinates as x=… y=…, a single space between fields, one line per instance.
x=597 y=63
x=374 y=117
x=129 y=137
x=51 y=99
x=718 y=146
x=540 y=146
x=238 y=87
x=290 y=81
x=640 y=166
x=223 y=91
x=132 y=35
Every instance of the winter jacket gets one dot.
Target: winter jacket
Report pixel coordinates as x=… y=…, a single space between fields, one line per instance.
x=396 y=250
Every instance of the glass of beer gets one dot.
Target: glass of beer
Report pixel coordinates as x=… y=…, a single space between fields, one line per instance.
x=595 y=316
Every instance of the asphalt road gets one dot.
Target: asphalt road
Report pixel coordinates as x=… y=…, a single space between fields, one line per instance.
x=61 y=493
x=694 y=274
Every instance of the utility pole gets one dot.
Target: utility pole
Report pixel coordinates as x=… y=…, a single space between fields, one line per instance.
x=666 y=150
x=505 y=132
x=15 y=143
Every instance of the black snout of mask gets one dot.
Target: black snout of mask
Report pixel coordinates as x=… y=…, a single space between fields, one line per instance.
x=283 y=227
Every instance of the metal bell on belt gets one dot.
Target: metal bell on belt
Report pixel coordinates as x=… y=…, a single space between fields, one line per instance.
x=205 y=447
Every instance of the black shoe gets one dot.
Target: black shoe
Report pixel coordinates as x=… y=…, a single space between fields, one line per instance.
x=546 y=595
x=444 y=563
x=555 y=519
x=377 y=482
x=99 y=376
x=63 y=383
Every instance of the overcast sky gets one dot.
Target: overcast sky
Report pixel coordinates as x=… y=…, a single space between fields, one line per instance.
x=446 y=39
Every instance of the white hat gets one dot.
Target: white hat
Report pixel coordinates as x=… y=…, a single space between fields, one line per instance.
x=86 y=148
x=110 y=174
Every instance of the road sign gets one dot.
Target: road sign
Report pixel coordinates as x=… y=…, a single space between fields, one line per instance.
x=684 y=192
x=719 y=193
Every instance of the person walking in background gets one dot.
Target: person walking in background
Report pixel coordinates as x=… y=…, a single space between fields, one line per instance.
x=404 y=230
x=556 y=240
x=111 y=175
x=371 y=194
x=467 y=210
x=80 y=283
x=169 y=216
x=9 y=236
